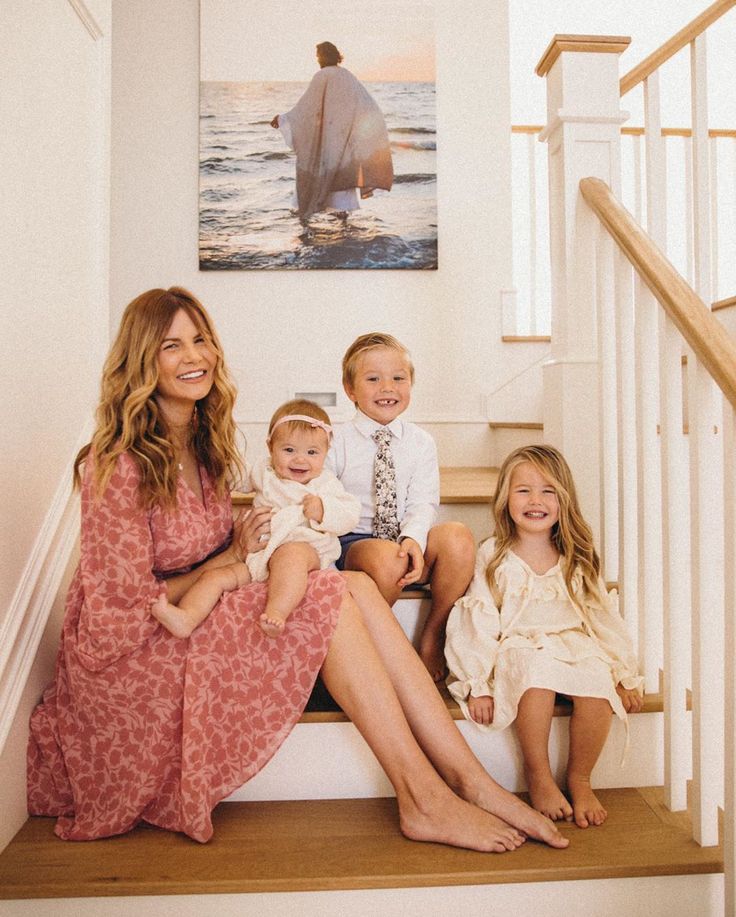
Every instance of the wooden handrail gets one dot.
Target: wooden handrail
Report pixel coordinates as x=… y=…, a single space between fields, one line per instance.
x=723 y=304
x=710 y=341
x=689 y=33
x=714 y=132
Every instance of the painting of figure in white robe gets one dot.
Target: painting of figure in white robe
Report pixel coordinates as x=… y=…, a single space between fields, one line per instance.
x=317 y=135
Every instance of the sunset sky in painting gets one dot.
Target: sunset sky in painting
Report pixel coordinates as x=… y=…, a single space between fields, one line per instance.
x=387 y=40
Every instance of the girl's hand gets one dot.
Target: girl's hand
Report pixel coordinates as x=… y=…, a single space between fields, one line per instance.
x=632 y=700
x=410 y=548
x=250 y=531
x=481 y=709
x=313 y=508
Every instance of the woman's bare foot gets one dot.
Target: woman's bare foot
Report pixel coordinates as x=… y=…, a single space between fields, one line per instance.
x=432 y=653
x=586 y=806
x=271 y=624
x=515 y=812
x=548 y=798
x=175 y=620
x=451 y=820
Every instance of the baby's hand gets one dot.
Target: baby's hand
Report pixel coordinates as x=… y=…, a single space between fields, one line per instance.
x=313 y=508
x=631 y=699
x=481 y=709
x=409 y=548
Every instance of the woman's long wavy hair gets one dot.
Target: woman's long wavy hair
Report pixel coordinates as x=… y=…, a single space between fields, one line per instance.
x=571 y=534
x=128 y=416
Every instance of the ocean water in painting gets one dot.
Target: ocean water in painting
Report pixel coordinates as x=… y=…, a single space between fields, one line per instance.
x=246 y=186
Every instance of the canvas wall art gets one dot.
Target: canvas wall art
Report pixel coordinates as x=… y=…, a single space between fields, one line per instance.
x=318 y=135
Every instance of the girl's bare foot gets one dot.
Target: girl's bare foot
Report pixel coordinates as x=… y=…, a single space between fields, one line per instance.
x=454 y=821
x=586 y=806
x=548 y=798
x=175 y=620
x=271 y=624
x=432 y=653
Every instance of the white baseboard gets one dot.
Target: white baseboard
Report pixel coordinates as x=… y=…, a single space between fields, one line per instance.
x=22 y=627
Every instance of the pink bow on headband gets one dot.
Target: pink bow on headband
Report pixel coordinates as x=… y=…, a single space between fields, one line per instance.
x=312 y=421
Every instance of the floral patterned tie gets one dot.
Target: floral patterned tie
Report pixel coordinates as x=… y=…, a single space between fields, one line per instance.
x=386 y=519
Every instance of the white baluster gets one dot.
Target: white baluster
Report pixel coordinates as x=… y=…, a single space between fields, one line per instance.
x=656 y=162
x=650 y=486
x=700 y=169
x=606 y=306
x=714 y=258
x=676 y=556
x=531 y=141
x=628 y=540
x=729 y=818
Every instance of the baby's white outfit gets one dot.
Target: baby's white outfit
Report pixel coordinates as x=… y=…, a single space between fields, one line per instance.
x=538 y=639
x=341 y=512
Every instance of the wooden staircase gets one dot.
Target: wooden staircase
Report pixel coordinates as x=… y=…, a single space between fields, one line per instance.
x=317 y=833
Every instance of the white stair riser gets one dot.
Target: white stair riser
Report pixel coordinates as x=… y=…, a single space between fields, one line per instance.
x=655 y=896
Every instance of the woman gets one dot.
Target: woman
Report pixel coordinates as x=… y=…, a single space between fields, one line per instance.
x=140 y=725
x=339 y=135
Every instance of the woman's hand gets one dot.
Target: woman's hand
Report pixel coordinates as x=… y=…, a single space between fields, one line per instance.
x=251 y=530
x=275 y=121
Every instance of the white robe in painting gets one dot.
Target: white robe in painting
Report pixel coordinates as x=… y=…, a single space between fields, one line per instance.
x=339 y=135
x=341 y=512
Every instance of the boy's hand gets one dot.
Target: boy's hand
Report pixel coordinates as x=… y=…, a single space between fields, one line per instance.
x=409 y=548
x=313 y=508
x=481 y=709
x=631 y=700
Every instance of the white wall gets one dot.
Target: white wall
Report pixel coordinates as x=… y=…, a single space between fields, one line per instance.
x=53 y=252
x=288 y=329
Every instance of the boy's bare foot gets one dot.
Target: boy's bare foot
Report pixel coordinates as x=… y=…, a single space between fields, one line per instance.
x=175 y=620
x=271 y=624
x=432 y=653
x=548 y=798
x=454 y=821
x=586 y=806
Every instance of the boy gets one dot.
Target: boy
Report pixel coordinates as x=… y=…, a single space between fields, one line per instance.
x=391 y=466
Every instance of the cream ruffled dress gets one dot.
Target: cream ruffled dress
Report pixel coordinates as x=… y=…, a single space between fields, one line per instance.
x=538 y=639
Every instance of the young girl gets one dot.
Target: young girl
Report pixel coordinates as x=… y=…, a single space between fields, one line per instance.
x=310 y=509
x=537 y=621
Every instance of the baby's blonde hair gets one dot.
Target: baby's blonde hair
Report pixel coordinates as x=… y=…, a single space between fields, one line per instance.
x=362 y=345
x=571 y=534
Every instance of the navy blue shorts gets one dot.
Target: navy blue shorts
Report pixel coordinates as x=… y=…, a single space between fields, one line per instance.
x=345 y=542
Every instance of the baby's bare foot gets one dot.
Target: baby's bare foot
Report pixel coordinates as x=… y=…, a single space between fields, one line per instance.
x=586 y=806
x=271 y=624
x=547 y=797
x=432 y=653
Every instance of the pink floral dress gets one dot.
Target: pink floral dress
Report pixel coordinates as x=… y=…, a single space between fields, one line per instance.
x=138 y=724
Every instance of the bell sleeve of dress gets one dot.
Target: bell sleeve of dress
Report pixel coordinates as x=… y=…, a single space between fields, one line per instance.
x=340 y=510
x=472 y=635
x=609 y=630
x=116 y=567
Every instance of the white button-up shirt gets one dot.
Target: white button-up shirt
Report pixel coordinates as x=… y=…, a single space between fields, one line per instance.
x=351 y=457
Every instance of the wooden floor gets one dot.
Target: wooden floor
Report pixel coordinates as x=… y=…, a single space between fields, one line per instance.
x=340 y=844
x=457 y=485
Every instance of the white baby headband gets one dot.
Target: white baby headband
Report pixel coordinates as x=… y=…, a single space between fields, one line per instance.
x=312 y=421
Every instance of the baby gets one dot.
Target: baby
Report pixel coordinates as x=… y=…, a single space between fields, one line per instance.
x=310 y=509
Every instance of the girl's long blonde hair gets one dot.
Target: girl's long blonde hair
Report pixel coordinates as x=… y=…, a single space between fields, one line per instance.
x=571 y=534
x=128 y=417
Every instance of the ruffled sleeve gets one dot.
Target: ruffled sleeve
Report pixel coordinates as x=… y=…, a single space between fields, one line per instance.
x=609 y=629
x=116 y=569
x=473 y=631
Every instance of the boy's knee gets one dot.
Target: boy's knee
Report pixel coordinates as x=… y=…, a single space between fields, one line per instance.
x=453 y=538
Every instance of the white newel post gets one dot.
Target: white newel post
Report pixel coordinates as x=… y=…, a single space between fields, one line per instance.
x=584 y=120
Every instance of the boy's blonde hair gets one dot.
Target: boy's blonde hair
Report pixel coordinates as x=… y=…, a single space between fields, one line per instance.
x=297 y=406
x=362 y=345
x=571 y=534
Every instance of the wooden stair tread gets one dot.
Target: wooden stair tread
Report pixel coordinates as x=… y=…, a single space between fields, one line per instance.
x=322 y=709
x=457 y=485
x=340 y=844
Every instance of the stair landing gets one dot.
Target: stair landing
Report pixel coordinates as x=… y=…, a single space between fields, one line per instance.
x=340 y=844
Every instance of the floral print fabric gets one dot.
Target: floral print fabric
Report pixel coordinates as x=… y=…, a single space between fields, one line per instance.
x=138 y=724
x=386 y=519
